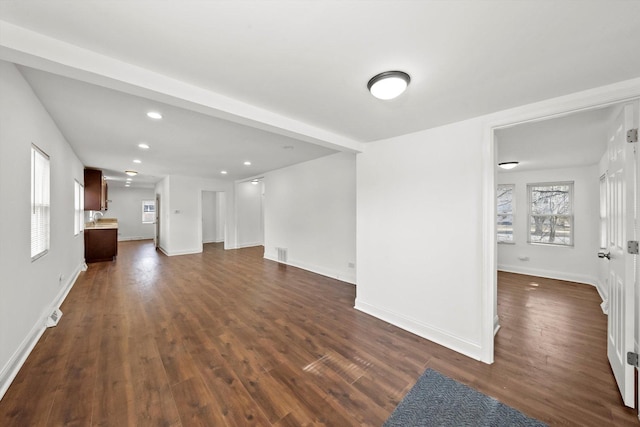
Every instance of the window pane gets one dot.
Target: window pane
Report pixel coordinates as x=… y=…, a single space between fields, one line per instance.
x=148 y=211
x=504 y=213
x=550 y=229
x=39 y=203
x=505 y=228
x=551 y=199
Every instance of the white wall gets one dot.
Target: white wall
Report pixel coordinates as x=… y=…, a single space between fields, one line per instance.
x=249 y=214
x=578 y=263
x=181 y=213
x=29 y=291
x=221 y=215
x=209 y=217
x=419 y=233
x=310 y=209
x=125 y=204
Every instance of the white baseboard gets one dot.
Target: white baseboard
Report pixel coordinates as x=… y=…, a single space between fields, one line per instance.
x=323 y=271
x=550 y=274
x=496 y=325
x=128 y=238
x=11 y=369
x=423 y=330
x=182 y=252
x=249 y=245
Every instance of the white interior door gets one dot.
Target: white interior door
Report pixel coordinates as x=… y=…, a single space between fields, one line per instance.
x=621 y=181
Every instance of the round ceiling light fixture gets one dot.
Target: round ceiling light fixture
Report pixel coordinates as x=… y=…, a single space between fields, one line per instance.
x=508 y=165
x=131 y=173
x=388 y=85
x=154 y=115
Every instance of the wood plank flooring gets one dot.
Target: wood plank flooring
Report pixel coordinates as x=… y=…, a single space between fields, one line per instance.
x=226 y=338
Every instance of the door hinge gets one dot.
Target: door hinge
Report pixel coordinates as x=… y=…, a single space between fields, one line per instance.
x=632 y=359
x=632 y=135
x=632 y=247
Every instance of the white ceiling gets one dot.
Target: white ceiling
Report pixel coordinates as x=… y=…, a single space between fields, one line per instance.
x=308 y=62
x=574 y=140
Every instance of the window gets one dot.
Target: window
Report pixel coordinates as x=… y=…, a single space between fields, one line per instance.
x=39 y=203
x=148 y=211
x=78 y=221
x=505 y=211
x=551 y=213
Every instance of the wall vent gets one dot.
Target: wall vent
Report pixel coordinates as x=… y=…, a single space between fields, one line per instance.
x=282 y=255
x=54 y=318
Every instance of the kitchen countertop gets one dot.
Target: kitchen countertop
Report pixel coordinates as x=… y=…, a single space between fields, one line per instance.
x=102 y=224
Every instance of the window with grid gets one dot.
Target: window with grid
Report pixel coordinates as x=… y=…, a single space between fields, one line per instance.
x=551 y=213
x=148 y=211
x=504 y=212
x=40 y=205
x=78 y=220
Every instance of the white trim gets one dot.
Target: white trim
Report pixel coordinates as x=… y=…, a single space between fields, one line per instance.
x=126 y=239
x=317 y=269
x=423 y=330
x=249 y=245
x=496 y=325
x=184 y=252
x=550 y=274
x=555 y=107
x=15 y=362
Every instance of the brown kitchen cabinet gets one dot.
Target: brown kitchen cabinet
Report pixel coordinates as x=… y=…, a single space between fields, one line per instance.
x=100 y=244
x=95 y=190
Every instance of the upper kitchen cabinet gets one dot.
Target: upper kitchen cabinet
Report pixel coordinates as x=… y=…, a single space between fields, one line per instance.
x=95 y=190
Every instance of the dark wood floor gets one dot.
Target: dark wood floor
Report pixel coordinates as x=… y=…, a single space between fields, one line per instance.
x=228 y=338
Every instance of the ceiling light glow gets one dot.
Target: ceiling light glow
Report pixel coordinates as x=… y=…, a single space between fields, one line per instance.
x=247 y=163
x=131 y=173
x=388 y=85
x=143 y=146
x=137 y=161
x=154 y=115
x=223 y=172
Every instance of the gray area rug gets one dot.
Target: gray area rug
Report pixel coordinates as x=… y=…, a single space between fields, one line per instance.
x=437 y=400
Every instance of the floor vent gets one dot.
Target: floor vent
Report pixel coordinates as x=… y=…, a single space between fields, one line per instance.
x=282 y=255
x=54 y=318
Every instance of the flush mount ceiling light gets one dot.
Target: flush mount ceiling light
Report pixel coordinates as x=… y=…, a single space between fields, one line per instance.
x=154 y=115
x=131 y=173
x=143 y=146
x=388 y=85
x=247 y=163
x=508 y=165
x=223 y=172
x=137 y=161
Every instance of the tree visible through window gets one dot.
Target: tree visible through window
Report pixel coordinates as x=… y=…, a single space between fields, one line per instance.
x=505 y=212
x=148 y=211
x=551 y=213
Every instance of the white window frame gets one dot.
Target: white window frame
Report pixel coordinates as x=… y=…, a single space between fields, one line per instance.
x=78 y=196
x=40 y=203
x=569 y=216
x=145 y=213
x=513 y=214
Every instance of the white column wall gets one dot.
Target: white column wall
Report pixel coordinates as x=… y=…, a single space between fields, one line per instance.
x=419 y=233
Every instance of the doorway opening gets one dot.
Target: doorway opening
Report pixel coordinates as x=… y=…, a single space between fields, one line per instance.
x=213 y=216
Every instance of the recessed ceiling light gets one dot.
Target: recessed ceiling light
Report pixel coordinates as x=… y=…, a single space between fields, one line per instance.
x=388 y=85
x=223 y=172
x=255 y=181
x=127 y=185
x=508 y=165
x=137 y=161
x=129 y=179
x=131 y=173
x=154 y=115
x=143 y=146
x=247 y=163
